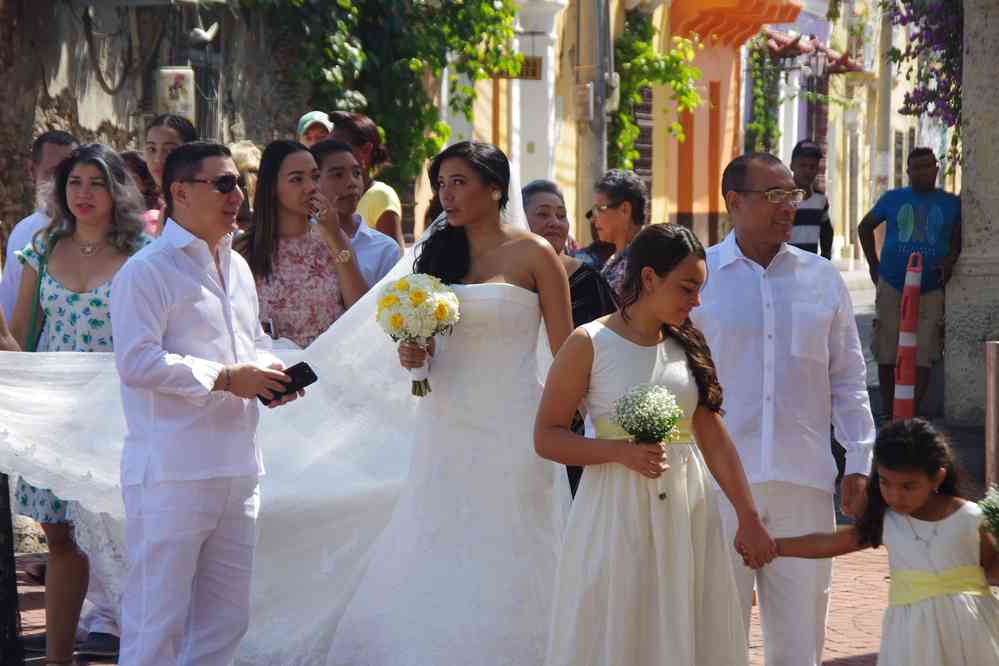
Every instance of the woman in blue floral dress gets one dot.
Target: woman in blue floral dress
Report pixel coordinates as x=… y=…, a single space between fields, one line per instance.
x=97 y=224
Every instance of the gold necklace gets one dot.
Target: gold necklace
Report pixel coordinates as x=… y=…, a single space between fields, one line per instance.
x=89 y=249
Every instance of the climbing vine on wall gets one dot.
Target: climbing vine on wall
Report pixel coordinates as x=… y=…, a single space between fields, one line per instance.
x=639 y=65
x=380 y=56
x=763 y=129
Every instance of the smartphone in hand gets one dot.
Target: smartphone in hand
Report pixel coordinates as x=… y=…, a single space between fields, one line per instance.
x=301 y=374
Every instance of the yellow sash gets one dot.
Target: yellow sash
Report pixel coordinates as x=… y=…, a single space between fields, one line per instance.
x=911 y=586
x=607 y=429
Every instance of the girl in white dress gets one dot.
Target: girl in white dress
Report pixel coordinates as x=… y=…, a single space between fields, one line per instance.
x=644 y=576
x=941 y=611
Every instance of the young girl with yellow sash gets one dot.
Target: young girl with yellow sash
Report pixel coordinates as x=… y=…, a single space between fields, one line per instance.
x=941 y=611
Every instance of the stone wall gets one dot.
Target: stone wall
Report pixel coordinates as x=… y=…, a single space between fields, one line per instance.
x=50 y=80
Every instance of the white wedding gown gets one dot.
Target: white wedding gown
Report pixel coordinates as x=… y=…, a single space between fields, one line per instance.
x=463 y=573
x=336 y=464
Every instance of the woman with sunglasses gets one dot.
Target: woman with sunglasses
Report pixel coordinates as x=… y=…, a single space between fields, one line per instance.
x=618 y=214
x=307 y=273
x=64 y=305
x=379 y=206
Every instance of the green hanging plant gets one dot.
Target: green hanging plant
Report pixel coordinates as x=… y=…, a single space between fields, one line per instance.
x=763 y=129
x=639 y=66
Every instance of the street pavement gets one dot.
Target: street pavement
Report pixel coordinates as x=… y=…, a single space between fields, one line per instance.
x=860 y=580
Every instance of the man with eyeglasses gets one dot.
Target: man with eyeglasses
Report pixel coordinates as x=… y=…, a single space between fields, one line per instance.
x=920 y=218
x=780 y=325
x=812 y=228
x=192 y=359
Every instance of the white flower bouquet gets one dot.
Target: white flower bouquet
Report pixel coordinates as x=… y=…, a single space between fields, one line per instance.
x=990 y=510
x=649 y=414
x=415 y=308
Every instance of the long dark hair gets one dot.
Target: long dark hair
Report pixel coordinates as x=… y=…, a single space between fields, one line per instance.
x=127 y=205
x=912 y=444
x=260 y=242
x=445 y=252
x=179 y=124
x=363 y=130
x=662 y=247
x=143 y=179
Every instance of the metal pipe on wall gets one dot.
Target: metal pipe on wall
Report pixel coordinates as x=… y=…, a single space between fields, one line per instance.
x=991 y=412
x=601 y=25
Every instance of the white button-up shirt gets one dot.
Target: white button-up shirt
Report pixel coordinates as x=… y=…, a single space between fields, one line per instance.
x=176 y=324
x=376 y=252
x=785 y=344
x=22 y=235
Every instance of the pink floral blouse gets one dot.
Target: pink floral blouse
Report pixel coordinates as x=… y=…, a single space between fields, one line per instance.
x=301 y=299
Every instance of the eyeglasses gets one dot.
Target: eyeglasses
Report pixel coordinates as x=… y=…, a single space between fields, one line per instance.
x=596 y=210
x=223 y=184
x=778 y=196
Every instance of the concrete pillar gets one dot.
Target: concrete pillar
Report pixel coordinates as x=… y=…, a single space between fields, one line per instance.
x=972 y=294
x=533 y=101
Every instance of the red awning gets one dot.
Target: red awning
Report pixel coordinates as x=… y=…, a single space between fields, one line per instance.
x=783 y=45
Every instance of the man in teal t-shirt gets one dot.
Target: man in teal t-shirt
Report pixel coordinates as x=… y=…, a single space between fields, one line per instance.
x=921 y=218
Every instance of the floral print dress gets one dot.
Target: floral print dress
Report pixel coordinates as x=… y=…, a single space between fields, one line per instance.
x=301 y=298
x=76 y=322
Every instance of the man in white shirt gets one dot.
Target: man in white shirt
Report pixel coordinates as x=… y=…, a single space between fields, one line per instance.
x=192 y=358
x=341 y=181
x=782 y=333
x=47 y=151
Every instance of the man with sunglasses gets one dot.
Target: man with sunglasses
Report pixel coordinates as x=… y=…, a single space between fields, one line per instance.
x=193 y=359
x=780 y=325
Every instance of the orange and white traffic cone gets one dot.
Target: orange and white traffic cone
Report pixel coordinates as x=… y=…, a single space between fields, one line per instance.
x=905 y=361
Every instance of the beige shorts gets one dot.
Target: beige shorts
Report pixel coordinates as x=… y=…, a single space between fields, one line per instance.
x=929 y=329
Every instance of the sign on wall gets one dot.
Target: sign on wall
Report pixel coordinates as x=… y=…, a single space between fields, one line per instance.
x=175 y=91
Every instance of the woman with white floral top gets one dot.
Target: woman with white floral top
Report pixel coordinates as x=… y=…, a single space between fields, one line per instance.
x=96 y=226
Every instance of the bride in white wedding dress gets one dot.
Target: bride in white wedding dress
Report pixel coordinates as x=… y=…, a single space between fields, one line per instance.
x=463 y=573
x=479 y=516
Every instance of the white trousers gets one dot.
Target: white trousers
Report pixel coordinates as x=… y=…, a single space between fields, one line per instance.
x=793 y=593
x=190 y=558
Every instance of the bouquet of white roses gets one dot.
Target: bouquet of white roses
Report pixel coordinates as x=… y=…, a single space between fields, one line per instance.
x=415 y=309
x=990 y=510
x=649 y=414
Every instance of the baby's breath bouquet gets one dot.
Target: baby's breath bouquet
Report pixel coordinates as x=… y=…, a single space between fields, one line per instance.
x=990 y=510
x=649 y=414
x=415 y=309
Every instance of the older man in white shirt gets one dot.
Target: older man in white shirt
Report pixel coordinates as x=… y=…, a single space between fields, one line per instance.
x=783 y=336
x=193 y=358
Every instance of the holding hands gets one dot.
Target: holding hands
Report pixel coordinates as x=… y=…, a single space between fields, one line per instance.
x=754 y=543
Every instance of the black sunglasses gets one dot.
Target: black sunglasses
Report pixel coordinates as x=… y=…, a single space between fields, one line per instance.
x=223 y=184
